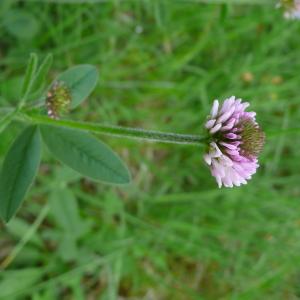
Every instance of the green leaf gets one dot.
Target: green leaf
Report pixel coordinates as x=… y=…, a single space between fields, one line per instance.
x=85 y=154
x=81 y=80
x=19 y=170
x=41 y=74
x=21 y=24
x=29 y=76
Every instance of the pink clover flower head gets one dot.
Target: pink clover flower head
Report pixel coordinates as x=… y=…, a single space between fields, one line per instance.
x=291 y=9
x=235 y=141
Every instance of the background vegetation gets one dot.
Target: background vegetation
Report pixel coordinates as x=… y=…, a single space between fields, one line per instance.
x=171 y=234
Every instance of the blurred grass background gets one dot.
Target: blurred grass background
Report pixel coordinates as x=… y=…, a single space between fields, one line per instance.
x=171 y=234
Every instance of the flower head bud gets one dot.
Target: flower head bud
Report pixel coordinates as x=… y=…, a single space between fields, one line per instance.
x=58 y=99
x=235 y=142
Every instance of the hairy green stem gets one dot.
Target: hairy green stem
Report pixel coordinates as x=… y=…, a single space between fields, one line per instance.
x=118 y=131
x=128 y=132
